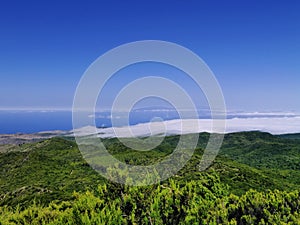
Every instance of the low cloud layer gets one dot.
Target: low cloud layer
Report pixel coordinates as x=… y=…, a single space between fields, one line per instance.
x=280 y=125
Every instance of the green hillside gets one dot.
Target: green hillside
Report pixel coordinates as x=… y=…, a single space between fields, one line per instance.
x=43 y=176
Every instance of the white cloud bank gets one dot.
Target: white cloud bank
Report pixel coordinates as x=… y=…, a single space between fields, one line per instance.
x=280 y=125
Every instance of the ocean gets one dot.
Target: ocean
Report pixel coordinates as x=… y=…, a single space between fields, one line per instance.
x=25 y=121
x=32 y=121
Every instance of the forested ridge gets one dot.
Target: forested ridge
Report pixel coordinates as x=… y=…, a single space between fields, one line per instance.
x=254 y=180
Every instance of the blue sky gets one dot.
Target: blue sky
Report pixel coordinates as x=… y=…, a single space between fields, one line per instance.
x=253 y=47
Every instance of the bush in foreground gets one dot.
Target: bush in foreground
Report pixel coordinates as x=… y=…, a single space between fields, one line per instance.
x=204 y=201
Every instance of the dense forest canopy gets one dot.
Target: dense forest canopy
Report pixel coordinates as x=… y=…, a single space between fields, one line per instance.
x=254 y=180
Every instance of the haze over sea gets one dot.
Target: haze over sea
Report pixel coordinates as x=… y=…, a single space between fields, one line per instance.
x=31 y=121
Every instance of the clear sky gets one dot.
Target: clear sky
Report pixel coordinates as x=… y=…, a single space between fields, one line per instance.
x=253 y=47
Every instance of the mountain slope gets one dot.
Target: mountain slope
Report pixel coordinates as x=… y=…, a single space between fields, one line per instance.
x=52 y=169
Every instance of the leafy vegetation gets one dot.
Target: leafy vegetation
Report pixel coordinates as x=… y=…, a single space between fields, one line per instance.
x=44 y=171
x=254 y=180
x=203 y=201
